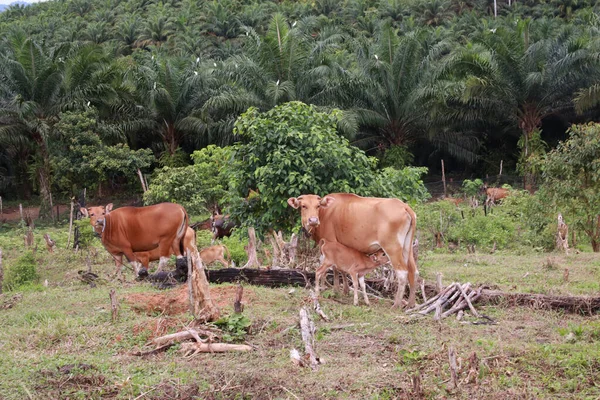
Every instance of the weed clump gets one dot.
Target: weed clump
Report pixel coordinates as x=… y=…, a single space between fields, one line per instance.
x=22 y=272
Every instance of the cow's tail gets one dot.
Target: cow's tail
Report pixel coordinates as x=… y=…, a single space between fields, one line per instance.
x=411 y=262
x=183 y=230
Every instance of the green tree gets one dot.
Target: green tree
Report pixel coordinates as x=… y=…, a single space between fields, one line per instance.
x=294 y=149
x=571 y=178
x=171 y=92
x=507 y=79
x=199 y=187
x=80 y=159
x=31 y=86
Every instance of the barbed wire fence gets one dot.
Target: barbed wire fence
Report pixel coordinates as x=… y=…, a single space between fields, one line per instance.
x=454 y=184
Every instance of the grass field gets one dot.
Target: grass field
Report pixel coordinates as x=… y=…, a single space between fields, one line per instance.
x=59 y=341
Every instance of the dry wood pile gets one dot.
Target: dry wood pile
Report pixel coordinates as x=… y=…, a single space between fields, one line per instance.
x=452 y=299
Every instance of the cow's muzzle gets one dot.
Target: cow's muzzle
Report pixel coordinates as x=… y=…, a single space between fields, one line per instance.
x=313 y=221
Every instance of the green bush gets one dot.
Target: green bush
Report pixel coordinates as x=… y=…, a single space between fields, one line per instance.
x=21 y=272
x=199 y=187
x=234 y=327
x=236 y=243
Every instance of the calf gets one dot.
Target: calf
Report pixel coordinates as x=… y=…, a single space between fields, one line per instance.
x=215 y=253
x=350 y=261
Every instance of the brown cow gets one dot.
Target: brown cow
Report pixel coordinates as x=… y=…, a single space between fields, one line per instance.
x=189 y=243
x=366 y=224
x=129 y=230
x=215 y=253
x=493 y=195
x=348 y=261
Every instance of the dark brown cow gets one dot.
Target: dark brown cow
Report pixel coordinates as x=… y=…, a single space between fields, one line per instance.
x=129 y=230
x=366 y=224
x=348 y=261
x=221 y=226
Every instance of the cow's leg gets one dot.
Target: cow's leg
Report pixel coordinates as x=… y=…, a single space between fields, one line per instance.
x=336 y=280
x=119 y=264
x=135 y=263
x=318 y=275
x=363 y=286
x=346 y=289
x=402 y=278
x=223 y=261
x=354 y=276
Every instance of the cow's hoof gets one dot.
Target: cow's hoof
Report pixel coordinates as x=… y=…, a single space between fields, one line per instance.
x=142 y=274
x=181 y=264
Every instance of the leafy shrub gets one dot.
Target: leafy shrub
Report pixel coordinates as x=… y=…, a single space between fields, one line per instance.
x=436 y=218
x=482 y=230
x=404 y=184
x=198 y=187
x=21 y=272
x=80 y=158
x=236 y=243
x=234 y=326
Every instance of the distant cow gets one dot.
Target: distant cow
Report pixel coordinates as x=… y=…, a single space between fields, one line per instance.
x=493 y=195
x=366 y=224
x=221 y=226
x=215 y=253
x=126 y=231
x=349 y=261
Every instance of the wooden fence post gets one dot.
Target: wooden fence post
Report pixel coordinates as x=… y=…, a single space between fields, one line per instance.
x=1 y=272
x=444 y=178
x=114 y=305
x=70 y=225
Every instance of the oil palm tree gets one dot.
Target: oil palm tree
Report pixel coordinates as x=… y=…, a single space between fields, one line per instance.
x=31 y=87
x=170 y=94
x=389 y=93
x=505 y=76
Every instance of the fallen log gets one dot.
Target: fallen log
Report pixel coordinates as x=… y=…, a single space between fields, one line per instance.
x=292 y=277
x=574 y=304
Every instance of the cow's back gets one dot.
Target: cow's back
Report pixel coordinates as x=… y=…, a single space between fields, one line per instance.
x=144 y=228
x=358 y=222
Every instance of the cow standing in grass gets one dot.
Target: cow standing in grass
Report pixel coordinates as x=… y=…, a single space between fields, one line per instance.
x=158 y=230
x=366 y=224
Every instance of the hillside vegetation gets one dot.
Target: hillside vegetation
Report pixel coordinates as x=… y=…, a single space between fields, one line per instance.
x=91 y=91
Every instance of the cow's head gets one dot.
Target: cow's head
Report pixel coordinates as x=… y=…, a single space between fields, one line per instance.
x=309 y=205
x=96 y=215
x=379 y=257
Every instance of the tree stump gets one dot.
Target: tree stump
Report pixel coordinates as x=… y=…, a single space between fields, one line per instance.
x=114 y=304
x=201 y=305
x=50 y=244
x=251 y=250
x=562 y=235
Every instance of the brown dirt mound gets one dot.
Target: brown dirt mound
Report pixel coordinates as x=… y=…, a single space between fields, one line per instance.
x=176 y=301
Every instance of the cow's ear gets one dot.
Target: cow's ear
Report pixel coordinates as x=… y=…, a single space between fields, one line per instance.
x=108 y=208
x=326 y=201
x=293 y=202
x=84 y=211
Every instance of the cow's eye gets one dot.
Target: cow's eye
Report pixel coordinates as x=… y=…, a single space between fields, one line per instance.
x=304 y=207
x=91 y=215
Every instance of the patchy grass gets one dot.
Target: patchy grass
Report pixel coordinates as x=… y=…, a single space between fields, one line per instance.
x=59 y=341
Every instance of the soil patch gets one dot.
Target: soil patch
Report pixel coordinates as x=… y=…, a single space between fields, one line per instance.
x=176 y=301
